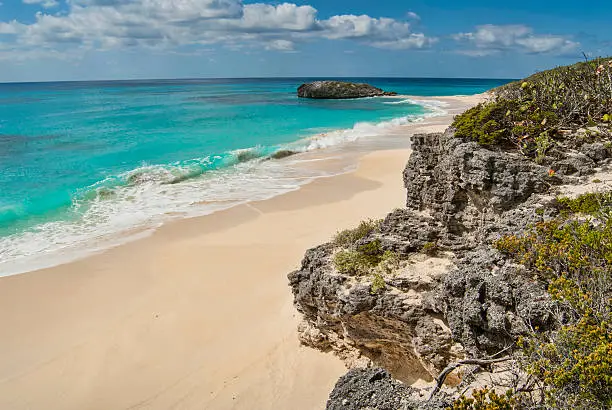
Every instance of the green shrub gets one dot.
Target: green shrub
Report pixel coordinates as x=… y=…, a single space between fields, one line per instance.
x=366 y=259
x=349 y=237
x=361 y=260
x=378 y=284
x=577 y=94
x=372 y=252
x=530 y=114
x=486 y=123
x=574 y=362
x=349 y=262
x=590 y=203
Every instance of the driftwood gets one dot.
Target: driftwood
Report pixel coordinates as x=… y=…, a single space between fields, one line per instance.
x=478 y=362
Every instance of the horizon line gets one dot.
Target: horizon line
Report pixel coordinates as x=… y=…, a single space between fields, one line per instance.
x=252 y=78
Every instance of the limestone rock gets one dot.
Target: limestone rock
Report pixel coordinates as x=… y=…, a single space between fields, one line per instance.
x=339 y=90
x=375 y=389
x=468 y=301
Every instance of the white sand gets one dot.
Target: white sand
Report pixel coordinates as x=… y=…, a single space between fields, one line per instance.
x=197 y=316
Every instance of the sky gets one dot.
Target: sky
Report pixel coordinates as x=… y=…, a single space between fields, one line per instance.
x=59 y=40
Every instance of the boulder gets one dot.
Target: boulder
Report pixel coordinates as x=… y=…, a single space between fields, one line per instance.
x=339 y=90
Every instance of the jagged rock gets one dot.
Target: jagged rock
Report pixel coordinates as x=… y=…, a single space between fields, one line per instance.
x=339 y=90
x=487 y=301
x=469 y=301
x=576 y=163
x=463 y=186
x=393 y=328
x=596 y=151
x=375 y=389
x=458 y=194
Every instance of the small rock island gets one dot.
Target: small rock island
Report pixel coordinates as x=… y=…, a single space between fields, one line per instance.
x=335 y=90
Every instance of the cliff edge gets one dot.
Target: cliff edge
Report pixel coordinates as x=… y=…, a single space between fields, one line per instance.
x=441 y=291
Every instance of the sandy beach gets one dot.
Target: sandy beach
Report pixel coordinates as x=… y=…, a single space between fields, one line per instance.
x=198 y=315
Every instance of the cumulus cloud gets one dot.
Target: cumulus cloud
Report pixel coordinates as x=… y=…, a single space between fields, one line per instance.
x=490 y=39
x=106 y=24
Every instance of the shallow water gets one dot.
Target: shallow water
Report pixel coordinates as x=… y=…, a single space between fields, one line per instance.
x=80 y=162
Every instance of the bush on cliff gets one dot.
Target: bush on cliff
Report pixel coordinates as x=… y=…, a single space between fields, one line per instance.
x=573 y=364
x=592 y=203
x=367 y=259
x=349 y=237
x=531 y=115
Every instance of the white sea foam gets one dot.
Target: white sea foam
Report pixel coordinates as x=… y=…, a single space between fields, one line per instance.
x=132 y=205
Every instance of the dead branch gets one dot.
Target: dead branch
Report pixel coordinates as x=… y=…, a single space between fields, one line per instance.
x=451 y=367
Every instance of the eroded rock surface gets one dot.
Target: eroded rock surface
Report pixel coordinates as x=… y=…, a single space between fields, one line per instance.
x=468 y=301
x=376 y=389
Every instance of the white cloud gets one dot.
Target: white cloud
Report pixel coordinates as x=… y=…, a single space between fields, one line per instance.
x=490 y=39
x=8 y=28
x=376 y=32
x=413 y=16
x=106 y=24
x=413 y=41
x=45 y=3
x=280 y=45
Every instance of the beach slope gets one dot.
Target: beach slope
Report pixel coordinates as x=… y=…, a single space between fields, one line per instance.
x=197 y=316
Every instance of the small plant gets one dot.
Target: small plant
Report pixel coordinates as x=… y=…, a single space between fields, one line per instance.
x=372 y=252
x=485 y=399
x=486 y=122
x=509 y=244
x=543 y=143
x=349 y=262
x=378 y=284
x=576 y=363
x=359 y=261
x=366 y=259
x=597 y=181
x=430 y=249
x=589 y=204
x=349 y=237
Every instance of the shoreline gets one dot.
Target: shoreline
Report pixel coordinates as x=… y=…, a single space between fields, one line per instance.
x=376 y=136
x=198 y=314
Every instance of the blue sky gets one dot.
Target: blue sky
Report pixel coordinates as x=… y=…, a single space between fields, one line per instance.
x=47 y=40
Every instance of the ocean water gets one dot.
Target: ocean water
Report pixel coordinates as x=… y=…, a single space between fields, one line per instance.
x=84 y=162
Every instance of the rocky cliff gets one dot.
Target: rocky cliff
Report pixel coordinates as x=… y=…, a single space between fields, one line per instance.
x=467 y=300
x=339 y=90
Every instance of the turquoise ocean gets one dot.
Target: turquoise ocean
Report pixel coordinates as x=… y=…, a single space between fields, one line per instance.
x=81 y=162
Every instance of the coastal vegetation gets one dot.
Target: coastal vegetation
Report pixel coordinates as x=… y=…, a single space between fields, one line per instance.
x=349 y=237
x=486 y=399
x=542 y=111
x=367 y=258
x=528 y=296
x=571 y=366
